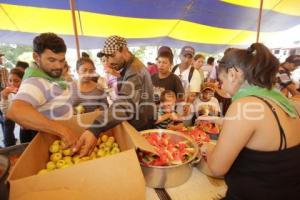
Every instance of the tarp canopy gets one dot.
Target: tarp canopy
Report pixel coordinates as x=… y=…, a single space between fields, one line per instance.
x=208 y=25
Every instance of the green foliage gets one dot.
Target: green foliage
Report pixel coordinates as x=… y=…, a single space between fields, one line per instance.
x=140 y=52
x=12 y=52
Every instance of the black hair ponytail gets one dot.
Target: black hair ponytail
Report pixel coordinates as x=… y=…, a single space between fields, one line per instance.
x=257 y=62
x=261 y=67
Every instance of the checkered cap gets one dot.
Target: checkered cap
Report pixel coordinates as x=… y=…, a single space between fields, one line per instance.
x=111 y=45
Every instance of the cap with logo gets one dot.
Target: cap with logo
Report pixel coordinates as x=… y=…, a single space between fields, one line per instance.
x=208 y=86
x=187 y=50
x=111 y=45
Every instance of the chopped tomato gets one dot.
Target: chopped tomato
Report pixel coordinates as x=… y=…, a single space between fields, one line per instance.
x=170 y=152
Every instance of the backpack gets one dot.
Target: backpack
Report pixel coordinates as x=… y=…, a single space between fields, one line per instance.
x=190 y=73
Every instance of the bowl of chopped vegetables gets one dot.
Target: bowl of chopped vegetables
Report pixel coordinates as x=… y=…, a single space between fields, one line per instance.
x=174 y=161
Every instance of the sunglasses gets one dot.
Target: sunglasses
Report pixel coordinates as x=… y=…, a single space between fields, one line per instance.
x=227 y=65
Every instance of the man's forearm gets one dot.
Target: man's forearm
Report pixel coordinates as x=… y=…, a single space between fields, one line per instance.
x=28 y=117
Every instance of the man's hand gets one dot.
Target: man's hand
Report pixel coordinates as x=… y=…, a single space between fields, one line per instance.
x=68 y=137
x=86 y=144
x=112 y=71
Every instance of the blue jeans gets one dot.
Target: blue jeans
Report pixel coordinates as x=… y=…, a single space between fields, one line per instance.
x=26 y=135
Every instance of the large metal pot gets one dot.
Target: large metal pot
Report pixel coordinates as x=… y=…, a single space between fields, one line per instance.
x=15 y=150
x=6 y=165
x=170 y=176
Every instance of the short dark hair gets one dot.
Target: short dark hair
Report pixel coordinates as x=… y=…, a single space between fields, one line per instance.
x=164 y=49
x=17 y=72
x=166 y=54
x=49 y=41
x=22 y=64
x=85 y=54
x=196 y=57
x=82 y=61
x=150 y=63
x=165 y=93
x=210 y=60
x=257 y=62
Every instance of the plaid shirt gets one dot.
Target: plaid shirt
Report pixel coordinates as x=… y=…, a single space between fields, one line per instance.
x=3 y=77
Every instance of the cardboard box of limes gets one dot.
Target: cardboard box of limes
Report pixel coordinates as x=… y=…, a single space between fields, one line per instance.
x=113 y=177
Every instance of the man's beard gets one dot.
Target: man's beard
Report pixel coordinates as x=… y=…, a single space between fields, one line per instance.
x=117 y=65
x=54 y=73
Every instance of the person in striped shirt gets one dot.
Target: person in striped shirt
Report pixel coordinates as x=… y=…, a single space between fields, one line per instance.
x=44 y=96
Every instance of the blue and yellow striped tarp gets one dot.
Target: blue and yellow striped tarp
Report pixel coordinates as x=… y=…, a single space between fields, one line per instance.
x=208 y=25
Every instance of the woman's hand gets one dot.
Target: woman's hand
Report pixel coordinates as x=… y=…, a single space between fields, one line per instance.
x=101 y=83
x=211 y=119
x=175 y=117
x=206 y=149
x=6 y=91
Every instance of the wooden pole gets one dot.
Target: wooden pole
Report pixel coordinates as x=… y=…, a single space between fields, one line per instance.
x=72 y=6
x=259 y=20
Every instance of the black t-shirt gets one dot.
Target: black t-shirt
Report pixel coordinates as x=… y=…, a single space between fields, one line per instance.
x=172 y=82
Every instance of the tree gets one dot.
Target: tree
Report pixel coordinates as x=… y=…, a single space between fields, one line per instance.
x=139 y=52
x=12 y=52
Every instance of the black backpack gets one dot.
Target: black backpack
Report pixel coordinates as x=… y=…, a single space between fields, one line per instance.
x=190 y=74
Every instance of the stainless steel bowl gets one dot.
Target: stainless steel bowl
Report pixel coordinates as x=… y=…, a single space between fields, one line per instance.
x=174 y=175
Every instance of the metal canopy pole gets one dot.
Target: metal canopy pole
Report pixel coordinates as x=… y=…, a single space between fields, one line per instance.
x=259 y=20
x=72 y=6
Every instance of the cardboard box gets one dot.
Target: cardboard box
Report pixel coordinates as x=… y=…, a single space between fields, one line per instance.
x=115 y=177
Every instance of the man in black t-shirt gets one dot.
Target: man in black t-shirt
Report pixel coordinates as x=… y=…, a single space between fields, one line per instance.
x=164 y=79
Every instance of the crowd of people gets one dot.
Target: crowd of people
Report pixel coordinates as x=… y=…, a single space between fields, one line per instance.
x=92 y=92
x=165 y=96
